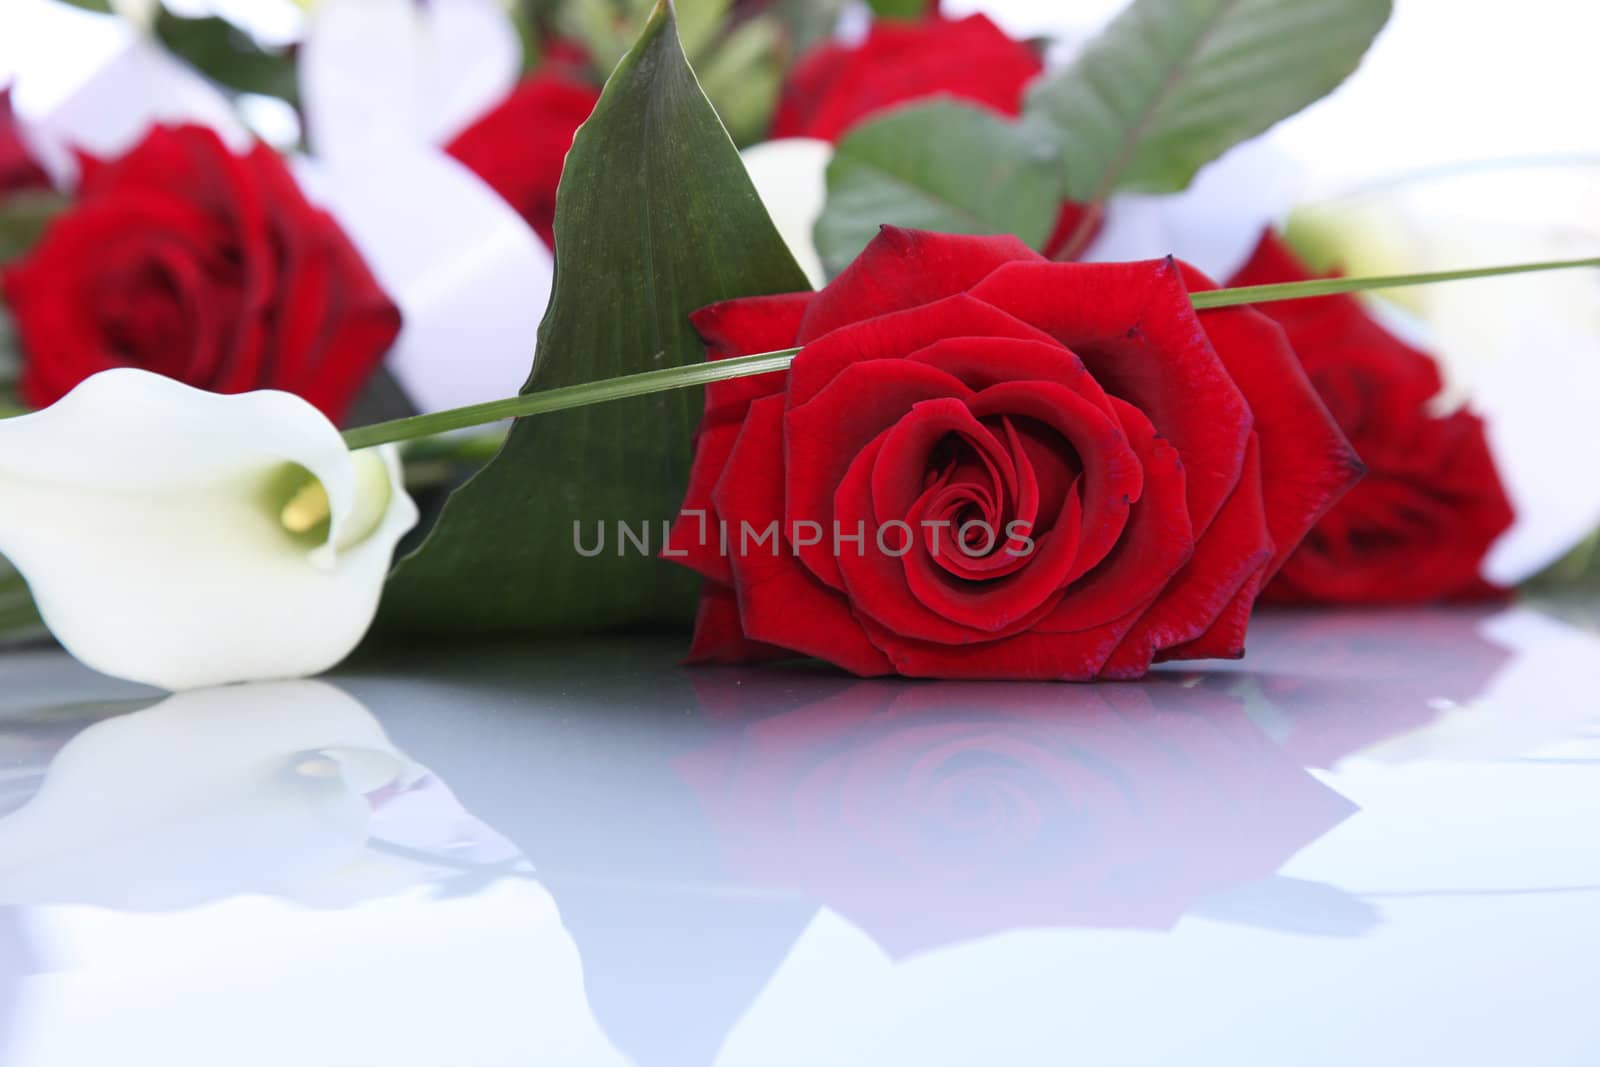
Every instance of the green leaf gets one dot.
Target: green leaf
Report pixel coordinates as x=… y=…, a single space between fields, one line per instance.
x=899 y=9
x=227 y=55
x=943 y=166
x=24 y=216
x=1172 y=84
x=656 y=217
x=742 y=76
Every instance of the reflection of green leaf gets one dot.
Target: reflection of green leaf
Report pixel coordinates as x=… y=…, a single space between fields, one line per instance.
x=944 y=166
x=1171 y=85
x=227 y=55
x=656 y=217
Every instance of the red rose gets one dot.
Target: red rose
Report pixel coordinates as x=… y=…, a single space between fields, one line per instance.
x=937 y=814
x=17 y=168
x=1418 y=528
x=187 y=260
x=836 y=86
x=520 y=147
x=1059 y=470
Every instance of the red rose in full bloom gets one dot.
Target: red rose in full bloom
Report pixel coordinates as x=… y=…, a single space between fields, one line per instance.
x=836 y=85
x=520 y=147
x=1418 y=528
x=1056 y=470
x=940 y=813
x=185 y=259
x=17 y=168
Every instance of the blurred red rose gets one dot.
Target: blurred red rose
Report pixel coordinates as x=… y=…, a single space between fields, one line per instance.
x=17 y=168
x=1050 y=470
x=183 y=258
x=520 y=146
x=942 y=813
x=1418 y=527
x=836 y=86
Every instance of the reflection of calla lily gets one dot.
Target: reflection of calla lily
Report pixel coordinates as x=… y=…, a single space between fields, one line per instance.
x=266 y=788
x=929 y=820
x=183 y=538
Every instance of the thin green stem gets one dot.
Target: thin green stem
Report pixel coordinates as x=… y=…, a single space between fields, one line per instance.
x=1266 y=294
x=571 y=396
x=658 y=381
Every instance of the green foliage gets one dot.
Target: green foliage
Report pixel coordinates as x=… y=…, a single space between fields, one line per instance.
x=656 y=218
x=944 y=166
x=898 y=9
x=739 y=63
x=1172 y=84
x=24 y=215
x=227 y=55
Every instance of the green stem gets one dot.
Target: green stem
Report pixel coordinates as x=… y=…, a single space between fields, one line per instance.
x=1265 y=294
x=571 y=396
x=658 y=381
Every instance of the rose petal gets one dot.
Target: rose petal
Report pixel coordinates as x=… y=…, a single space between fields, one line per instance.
x=824 y=435
x=1133 y=327
x=1227 y=566
x=780 y=602
x=903 y=269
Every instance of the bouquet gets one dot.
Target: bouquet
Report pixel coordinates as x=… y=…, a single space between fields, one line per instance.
x=985 y=358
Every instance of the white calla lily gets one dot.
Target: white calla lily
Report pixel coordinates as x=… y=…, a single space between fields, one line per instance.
x=379 y=73
x=385 y=83
x=472 y=281
x=185 y=539
x=791 y=177
x=95 y=83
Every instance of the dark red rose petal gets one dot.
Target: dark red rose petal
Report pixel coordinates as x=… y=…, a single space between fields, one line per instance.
x=1228 y=561
x=835 y=86
x=780 y=602
x=1133 y=327
x=903 y=269
x=823 y=436
x=718 y=636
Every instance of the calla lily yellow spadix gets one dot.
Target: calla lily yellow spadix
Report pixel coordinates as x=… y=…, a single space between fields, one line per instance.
x=183 y=539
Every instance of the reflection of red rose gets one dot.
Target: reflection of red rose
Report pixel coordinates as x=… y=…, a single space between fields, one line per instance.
x=1139 y=469
x=929 y=817
x=185 y=259
x=837 y=85
x=17 y=168
x=1347 y=680
x=520 y=147
x=1418 y=526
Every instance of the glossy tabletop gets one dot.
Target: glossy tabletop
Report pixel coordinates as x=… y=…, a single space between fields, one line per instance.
x=1374 y=841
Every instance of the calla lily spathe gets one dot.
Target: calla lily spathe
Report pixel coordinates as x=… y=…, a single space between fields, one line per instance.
x=183 y=539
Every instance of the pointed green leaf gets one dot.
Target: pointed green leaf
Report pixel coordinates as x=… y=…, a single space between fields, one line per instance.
x=656 y=217
x=945 y=166
x=1172 y=84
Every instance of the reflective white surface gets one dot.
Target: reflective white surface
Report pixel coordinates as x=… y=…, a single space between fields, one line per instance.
x=1373 y=841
